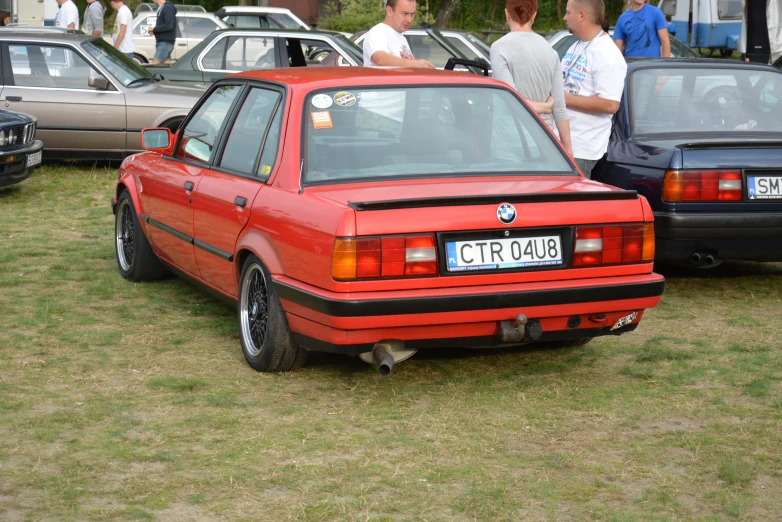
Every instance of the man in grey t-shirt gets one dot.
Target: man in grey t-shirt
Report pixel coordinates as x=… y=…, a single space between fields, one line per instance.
x=93 y=18
x=525 y=61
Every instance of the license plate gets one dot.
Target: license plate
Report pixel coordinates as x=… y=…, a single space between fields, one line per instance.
x=764 y=187
x=495 y=254
x=34 y=159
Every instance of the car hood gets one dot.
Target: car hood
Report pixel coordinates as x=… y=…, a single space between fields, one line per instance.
x=14 y=118
x=395 y=190
x=165 y=95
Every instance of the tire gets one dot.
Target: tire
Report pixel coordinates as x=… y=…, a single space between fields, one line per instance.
x=173 y=124
x=135 y=259
x=139 y=59
x=267 y=341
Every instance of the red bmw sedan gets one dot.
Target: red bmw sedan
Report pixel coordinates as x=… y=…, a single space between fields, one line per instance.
x=375 y=212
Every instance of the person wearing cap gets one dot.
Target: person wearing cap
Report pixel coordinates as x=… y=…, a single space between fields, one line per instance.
x=385 y=45
x=122 y=35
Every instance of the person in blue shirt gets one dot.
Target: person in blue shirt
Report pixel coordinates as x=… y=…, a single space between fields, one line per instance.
x=671 y=27
x=642 y=32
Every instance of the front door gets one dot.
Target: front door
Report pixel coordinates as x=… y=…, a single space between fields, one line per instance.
x=224 y=198
x=170 y=187
x=51 y=82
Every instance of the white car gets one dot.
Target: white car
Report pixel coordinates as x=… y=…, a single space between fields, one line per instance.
x=246 y=17
x=192 y=27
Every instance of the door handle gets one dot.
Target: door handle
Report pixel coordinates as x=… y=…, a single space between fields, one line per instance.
x=240 y=201
x=182 y=44
x=189 y=185
x=13 y=98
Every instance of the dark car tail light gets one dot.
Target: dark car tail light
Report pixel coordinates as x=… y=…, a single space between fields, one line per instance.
x=613 y=245
x=388 y=256
x=706 y=185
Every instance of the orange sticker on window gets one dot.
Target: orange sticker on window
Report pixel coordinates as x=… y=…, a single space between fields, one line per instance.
x=322 y=120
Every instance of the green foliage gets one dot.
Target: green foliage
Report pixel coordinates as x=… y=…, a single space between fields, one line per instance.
x=352 y=15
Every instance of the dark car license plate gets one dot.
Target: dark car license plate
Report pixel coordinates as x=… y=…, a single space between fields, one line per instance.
x=764 y=187
x=495 y=254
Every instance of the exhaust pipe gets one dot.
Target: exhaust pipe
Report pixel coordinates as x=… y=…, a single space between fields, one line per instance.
x=384 y=358
x=709 y=260
x=385 y=353
x=696 y=258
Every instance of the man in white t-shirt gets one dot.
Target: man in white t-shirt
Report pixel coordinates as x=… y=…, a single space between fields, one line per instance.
x=593 y=73
x=122 y=34
x=385 y=45
x=68 y=15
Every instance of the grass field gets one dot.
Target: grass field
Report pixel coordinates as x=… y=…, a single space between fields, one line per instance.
x=123 y=401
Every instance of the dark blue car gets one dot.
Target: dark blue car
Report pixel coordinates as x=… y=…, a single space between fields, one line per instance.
x=702 y=140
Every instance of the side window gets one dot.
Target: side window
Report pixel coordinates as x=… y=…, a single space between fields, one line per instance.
x=251 y=133
x=199 y=28
x=201 y=133
x=315 y=51
x=246 y=52
x=460 y=44
x=49 y=66
x=215 y=58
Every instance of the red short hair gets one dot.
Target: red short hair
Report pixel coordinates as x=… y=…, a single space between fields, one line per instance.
x=521 y=11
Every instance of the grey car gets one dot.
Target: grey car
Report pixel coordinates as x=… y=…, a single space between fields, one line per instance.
x=90 y=100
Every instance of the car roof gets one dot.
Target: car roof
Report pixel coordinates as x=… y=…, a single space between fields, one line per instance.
x=252 y=9
x=699 y=63
x=274 y=30
x=311 y=78
x=183 y=14
x=47 y=36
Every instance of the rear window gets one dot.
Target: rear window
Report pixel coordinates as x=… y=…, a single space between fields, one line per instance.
x=366 y=134
x=697 y=100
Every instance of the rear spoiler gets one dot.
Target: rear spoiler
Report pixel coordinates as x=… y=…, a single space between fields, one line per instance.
x=458 y=201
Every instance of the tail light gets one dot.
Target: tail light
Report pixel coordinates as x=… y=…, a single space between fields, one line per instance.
x=707 y=185
x=613 y=245
x=388 y=256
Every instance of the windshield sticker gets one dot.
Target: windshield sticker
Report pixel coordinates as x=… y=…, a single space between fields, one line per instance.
x=321 y=101
x=344 y=99
x=367 y=95
x=322 y=120
x=266 y=170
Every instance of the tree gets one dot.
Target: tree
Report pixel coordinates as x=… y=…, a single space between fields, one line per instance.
x=445 y=13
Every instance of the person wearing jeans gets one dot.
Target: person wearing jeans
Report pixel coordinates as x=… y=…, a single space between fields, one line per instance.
x=164 y=31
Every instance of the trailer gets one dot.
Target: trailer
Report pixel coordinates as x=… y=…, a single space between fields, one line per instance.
x=706 y=24
x=32 y=13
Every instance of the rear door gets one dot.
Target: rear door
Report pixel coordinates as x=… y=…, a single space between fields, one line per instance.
x=171 y=185
x=224 y=197
x=50 y=82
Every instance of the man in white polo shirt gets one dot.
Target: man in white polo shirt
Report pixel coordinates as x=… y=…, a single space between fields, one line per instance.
x=68 y=15
x=385 y=45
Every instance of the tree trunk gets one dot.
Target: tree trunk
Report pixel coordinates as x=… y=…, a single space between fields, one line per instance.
x=559 y=9
x=446 y=13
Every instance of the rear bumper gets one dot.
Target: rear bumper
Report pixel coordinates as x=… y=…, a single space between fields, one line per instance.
x=15 y=171
x=353 y=323
x=753 y=236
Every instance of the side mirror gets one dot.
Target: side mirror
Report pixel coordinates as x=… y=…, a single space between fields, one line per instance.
x=158 y=140
x=98 y=82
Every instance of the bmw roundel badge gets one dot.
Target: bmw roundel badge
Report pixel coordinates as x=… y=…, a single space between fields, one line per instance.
x=506 y=213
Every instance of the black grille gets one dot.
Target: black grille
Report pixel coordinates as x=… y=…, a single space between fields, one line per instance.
x=17 y=136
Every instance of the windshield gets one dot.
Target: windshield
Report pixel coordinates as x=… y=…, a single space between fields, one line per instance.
x=362 y=135
x=350 y=45
x=120 y=66
x=697 y=100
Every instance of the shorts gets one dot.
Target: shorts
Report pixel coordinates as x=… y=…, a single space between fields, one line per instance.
x=130 y=55
x=163 y=51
